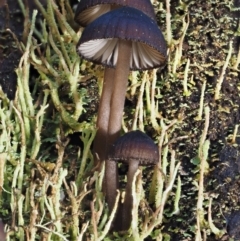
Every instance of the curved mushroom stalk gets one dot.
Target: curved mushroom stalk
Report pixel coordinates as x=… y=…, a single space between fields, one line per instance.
x=100 y=141
x=116 y=113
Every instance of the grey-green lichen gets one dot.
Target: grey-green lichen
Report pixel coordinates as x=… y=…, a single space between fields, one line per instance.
x=50 y=190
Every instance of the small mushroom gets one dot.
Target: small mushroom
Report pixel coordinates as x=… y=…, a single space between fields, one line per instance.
x=134 y=149
x=125 y=39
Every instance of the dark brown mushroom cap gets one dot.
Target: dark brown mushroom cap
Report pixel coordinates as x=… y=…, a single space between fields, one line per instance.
x=89 y=10
x=135 y=145
x=99 y=40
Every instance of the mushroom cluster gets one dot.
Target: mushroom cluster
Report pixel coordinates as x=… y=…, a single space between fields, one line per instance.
x=122 y=35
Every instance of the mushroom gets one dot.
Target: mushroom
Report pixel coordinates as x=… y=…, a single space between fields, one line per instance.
x=134 y=148
x=125 y=39
x=87 y=11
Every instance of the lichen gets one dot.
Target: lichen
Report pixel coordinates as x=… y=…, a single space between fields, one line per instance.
x=49 y=187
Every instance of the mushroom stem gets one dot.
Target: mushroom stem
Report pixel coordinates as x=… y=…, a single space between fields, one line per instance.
x=100 y=147
x=100 y=141
x=116 y=113
x=128 y=200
